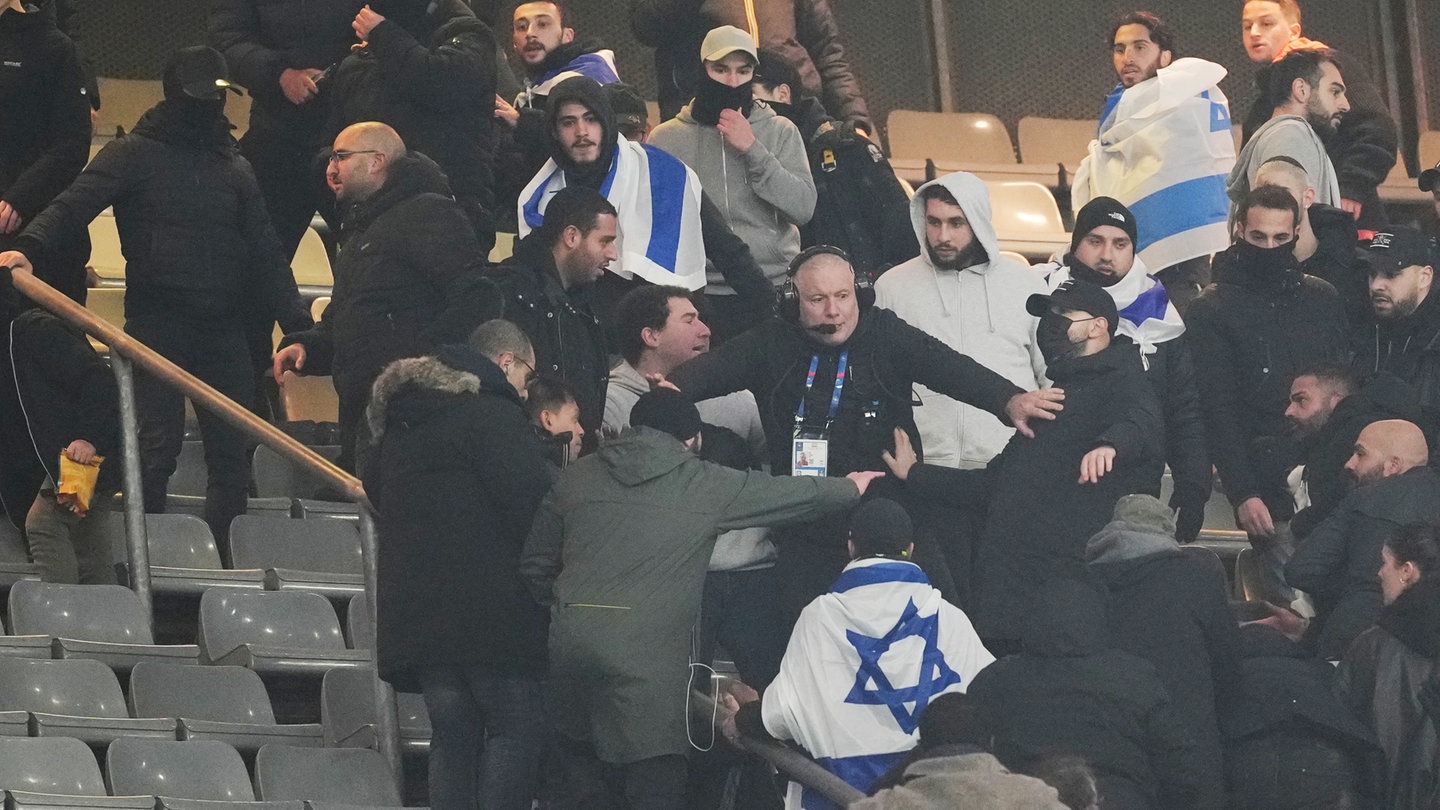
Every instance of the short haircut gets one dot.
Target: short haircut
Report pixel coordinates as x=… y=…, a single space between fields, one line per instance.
x=1289 y=9
x=565 y=15
x=1072 y=777
x=938 y=191
x=1296 y=65
x=546 y=393
x=1285 y=159
x=775 y=70
x=1419 y=544
x=642 y=308
x=1160 y=33
x=1341 y=379
x=495 y=337
x=1272 y=197
x=577 y=206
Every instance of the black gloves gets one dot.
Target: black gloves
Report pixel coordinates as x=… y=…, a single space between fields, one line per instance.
x=1189 y=501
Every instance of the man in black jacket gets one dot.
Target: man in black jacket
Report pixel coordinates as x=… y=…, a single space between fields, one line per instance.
x=545 y=287
x=1251 y=331
x=404 y=241
x=457 y=476
x=280 y=53
x=1403 y=338
x=428 y=70
x=201 y=260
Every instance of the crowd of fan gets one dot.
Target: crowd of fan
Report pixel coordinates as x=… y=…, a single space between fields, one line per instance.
x=736 y=396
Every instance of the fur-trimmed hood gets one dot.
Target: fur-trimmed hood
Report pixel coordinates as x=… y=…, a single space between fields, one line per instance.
x=455 y=369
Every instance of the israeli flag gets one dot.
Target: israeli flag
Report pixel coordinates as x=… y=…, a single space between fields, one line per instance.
x=1164 y=148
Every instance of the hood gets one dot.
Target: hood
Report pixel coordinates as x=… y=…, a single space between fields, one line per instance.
x=641 y=455
x=582 y=90
x=186 y=123
x=406 y=389
x=1334 y=230
x=872 y=593
x=625 y=377
x=974 y=198
x=1115 y=357
x=1414 y=617
x=1142 y=528
x=410 y=176
x=1067 y=620
x=33 y=18
x=1226 y=268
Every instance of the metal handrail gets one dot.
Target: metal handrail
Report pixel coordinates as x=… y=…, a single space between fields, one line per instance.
x=125 y=351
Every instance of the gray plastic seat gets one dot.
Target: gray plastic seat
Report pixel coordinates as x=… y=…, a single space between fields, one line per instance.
x=282 y=632
x=347 y=776
x=358 y=629
x=191 y=775
x=228 y=704
x=104 y=622
x=307 y=508
x=184 y=559
x=278 y=477
x=15 y=562
x=347 y=711
x=191 y=474
x=78 y=698
x=18 y=646
x=56 y=773
x=322 y=556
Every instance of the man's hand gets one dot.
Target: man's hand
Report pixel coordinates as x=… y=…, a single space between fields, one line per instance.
x=505 y=111
x=1253 y=516
x=862 y=478
x=1041 y=404
x=298 y=84
x=9 y=218
x=365 y=22
x=904 y=457
x=290 y=358
x=80 y=452
x=1288 y=622
x=657 y=380
x=731 y=697
x=15 y=259
x=1096 y=463
x=736 y=130
x=1351 y=207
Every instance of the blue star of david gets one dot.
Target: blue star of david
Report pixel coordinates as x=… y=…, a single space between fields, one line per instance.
x=935 y=674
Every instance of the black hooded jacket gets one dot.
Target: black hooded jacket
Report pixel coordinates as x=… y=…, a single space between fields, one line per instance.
x=1338 y=259
x=1409 y=348
x=1248 y=338
x=1070 y=692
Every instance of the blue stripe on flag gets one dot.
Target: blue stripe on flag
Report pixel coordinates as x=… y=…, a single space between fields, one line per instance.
x=1179 y=208
x=1110 y=102
x=880 y=572
x=667 y=206
x=533 y=217
x=1219 y=114
x=1150 y=304
x=860 y=772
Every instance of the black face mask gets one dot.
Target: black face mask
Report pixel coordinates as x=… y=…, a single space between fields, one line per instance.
x=1053 y=338
x=1265 y=264
x=711 y=97
x=1084 y=272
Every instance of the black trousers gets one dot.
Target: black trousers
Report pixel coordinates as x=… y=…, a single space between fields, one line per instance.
x=285 y=168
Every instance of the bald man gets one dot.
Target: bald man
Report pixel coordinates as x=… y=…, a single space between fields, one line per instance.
x=406 y=250
x=1326 y=244
x=1336 y=564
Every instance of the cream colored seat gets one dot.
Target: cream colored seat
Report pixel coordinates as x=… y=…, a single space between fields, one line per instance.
x=105 y=255
x=124 y=101
x=309 y=398
x=1055 y=140
x=1026 y=219
x=312 y=262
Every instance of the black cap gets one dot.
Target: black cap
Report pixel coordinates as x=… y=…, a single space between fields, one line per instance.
x=1076 y=296
x=1103 y=211
x=667 y=411
x=629 y=105
x=1430 y=179
x=1397 y=248
x=881 y=526
x=198 y=72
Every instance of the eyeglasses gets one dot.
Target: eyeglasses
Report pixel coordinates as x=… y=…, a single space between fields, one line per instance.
x=531 y=375
x=341 y=155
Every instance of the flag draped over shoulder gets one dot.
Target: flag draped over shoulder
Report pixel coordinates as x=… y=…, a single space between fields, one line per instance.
x=1146 y=315
x=1164 y=149
x=658 y=200
x=599 y=66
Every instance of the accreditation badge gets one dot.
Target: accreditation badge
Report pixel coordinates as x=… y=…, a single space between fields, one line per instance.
x=810 y=457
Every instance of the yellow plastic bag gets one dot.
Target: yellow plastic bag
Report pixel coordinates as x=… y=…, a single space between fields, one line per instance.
x=77 y=484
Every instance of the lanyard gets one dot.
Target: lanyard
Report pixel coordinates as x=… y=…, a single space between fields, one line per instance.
x=834 y=397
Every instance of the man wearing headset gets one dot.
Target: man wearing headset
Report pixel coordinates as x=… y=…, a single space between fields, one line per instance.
x=832 y=376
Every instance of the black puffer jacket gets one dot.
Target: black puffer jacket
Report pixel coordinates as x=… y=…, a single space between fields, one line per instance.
x=1409 y=348
x=263 y=38
x=1339 y=260
x=1248 y=337
x=430 y=76
x=1381 y=680
x=197 y=239
x=456 y=478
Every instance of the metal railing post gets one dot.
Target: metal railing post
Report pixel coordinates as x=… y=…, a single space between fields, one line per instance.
x=136 y=543
x=387 y=724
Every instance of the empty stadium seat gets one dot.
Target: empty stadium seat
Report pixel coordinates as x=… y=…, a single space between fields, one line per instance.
x=15 y=562
x=1429 y=149
x=199 y=775
x=953 y=137
x=22 y=646
x=308 y=508
x=318 y=307
x=103 y=622
x=191 y=473
x=1027 y=220
x=1249 y=579
x=504 y=247
x=183 y=556
x=1013 y=256
x=78 y=698
x=282 y=632
x=310 y=399
x=229 y=704
x=325 y=776
x=1055 y=140
x=278 y=477
x=125 y=101
x=311 y=264
x=1400 y=188
x=357 y=623
x=56 y=773
x=321 y=556
x=347 y=712
x=107 y=260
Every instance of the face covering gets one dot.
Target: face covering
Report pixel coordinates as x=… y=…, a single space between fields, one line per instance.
x=711 y=97
x=1053 y=338
x=1084 y=272
x=1265 y=264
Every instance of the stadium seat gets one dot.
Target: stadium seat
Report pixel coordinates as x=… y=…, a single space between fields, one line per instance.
x=57 y=774
x=320 y=556
x=306 y=508
x=1013 y=256
x=357 y=623
x=78 y=698
x=280 y=632
x=183 y=556
x=347 y=711
x=125 y=101
x=1400 y=188
x=278 y=477
x=951 y=137
x=1429 y=149
x=22 y=646
x=15 y=562
x=191 y=473
x=325 y=777
x=504 y=247
x=311 y=264
x=1055 y=140
x=310 y=399
x=108 y=262
x=200 y=775
x=1206 y=557
x=229 y=704
x=1027 y=220
x=318 y=306
x=1249 y=585
x=106 y=623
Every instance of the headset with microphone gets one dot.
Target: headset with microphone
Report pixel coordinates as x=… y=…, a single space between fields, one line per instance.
x=788 y=302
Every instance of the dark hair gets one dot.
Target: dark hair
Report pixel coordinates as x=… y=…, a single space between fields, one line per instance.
x=774 y=70
x=566 y=16
x=1342 y=378
x=646 y=307
x=1072 y=777
x=1417 y=543
x=1272 y=197
x=952 y=719
x=1161 y=34
x=546 y=393
x=578 y=206
x=1286 y=159
x=938 y=191
x=1296 y=65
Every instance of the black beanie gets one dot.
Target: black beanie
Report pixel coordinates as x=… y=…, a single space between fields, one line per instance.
x=667 y=411
x=1103 y=211
x=880 y=526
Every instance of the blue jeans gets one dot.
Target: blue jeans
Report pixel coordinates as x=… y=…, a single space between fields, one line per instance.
x=488 y=735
